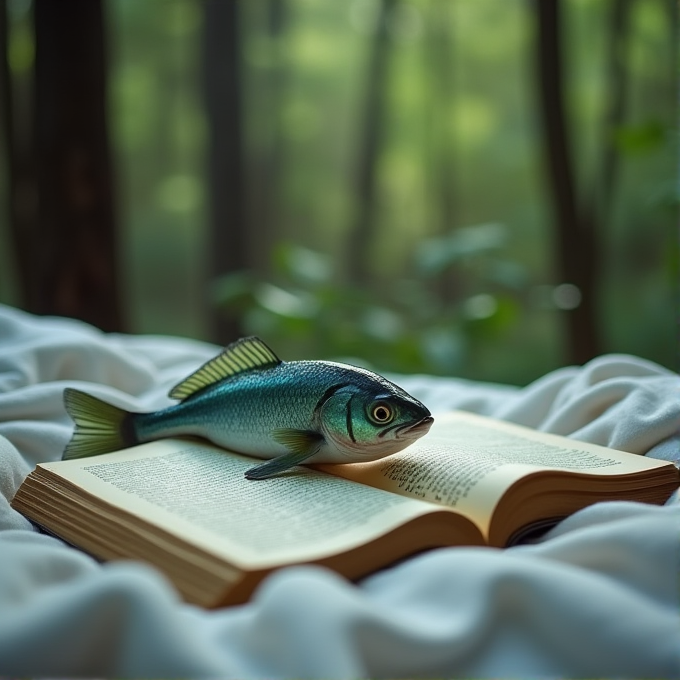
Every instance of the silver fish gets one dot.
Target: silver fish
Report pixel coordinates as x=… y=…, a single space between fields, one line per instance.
x=249 y=401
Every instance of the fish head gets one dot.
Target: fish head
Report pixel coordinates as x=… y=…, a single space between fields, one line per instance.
x=370 y=420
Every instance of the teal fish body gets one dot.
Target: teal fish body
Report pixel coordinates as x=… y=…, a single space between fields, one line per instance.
x=247 y=400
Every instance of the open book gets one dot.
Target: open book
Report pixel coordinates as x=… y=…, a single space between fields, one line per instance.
x=184 y=505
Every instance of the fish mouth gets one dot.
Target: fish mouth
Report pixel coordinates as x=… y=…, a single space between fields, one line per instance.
x=417 y=429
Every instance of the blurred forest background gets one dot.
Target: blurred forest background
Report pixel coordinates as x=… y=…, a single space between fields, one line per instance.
x=480 y=188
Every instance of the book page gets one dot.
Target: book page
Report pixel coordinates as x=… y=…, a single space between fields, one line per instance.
x=467 y=462
x=199 y=492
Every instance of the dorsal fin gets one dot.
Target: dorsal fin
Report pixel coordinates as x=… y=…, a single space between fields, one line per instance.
x=243 y=355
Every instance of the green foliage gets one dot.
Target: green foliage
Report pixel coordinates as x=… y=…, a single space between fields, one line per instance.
x=461 y=292
x=461 y=146
x=640 y=139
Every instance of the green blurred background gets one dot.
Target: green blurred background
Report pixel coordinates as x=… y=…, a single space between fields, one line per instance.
x=396 y=208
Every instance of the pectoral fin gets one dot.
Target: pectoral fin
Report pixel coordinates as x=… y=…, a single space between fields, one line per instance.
x=301 y=445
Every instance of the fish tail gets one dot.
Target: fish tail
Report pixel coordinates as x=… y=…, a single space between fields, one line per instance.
x=100 y=427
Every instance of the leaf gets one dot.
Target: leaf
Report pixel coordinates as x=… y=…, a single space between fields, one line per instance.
x=234 y=289
x=509 y=274
x=381 y=323
x=495 y=321
x=294 y=304
x=435 y=255
x=443 y=348
x=302 y=264
x=481 y=306
x=639 y=139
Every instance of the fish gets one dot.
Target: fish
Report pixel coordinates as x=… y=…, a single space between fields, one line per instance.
x=247 y=400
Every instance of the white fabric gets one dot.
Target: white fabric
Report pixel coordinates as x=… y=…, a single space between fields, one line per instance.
x=598 y=597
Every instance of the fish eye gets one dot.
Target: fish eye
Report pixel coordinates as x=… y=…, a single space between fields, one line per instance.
x=381 y=413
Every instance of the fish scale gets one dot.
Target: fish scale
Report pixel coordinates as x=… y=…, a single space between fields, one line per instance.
x=241 y=413
x=246 y=399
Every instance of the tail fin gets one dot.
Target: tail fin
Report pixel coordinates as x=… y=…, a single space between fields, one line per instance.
x=99 y=427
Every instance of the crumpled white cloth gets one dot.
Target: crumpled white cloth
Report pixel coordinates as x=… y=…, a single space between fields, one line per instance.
x=599 y=596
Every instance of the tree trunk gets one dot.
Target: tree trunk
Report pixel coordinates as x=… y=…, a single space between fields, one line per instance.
x=16 y=94
x=265 y=209
x=227 y=237
x=441 y=93
x=371 y=135
x=617 y=81
x=673 y=11
x=71 y=256
x=577 y=256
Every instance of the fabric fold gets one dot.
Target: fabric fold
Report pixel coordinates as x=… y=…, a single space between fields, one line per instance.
x=597 y=596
